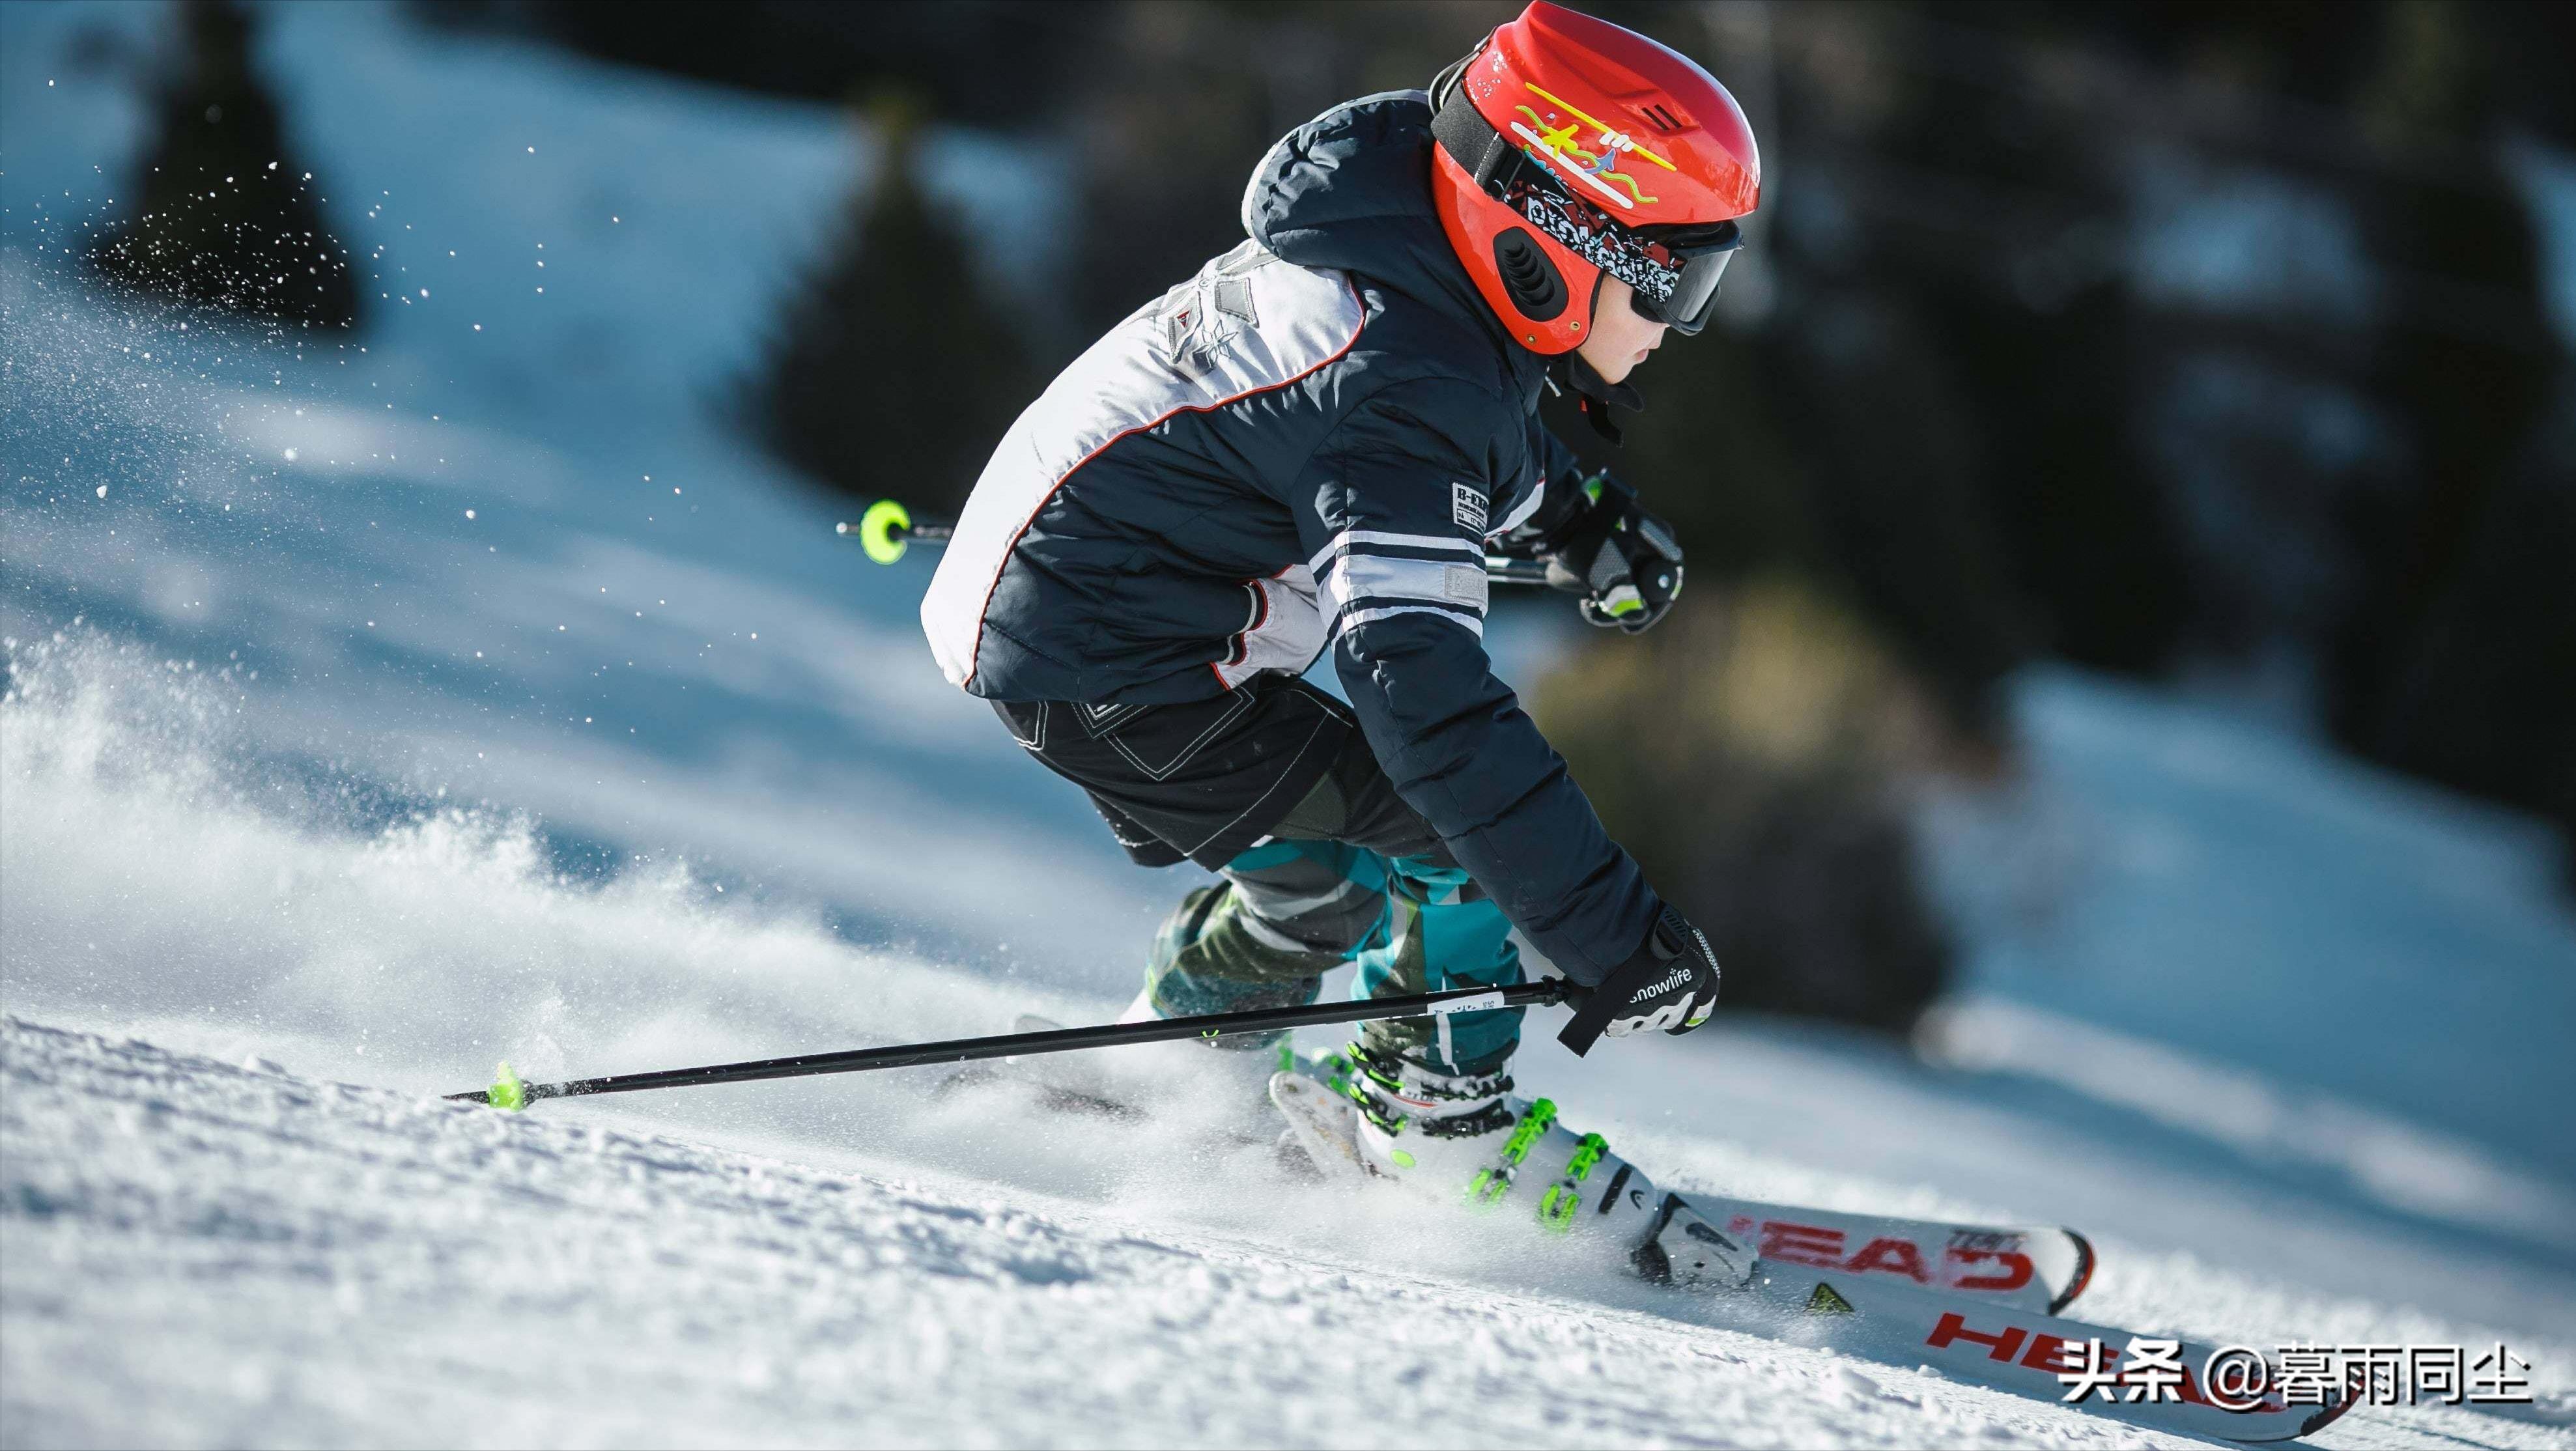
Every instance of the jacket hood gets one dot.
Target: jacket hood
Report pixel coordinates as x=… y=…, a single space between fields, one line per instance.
x=1351 y=190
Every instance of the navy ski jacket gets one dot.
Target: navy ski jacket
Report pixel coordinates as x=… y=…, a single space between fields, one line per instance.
x=1306 y=446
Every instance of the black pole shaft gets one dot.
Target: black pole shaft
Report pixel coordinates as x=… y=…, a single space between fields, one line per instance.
x=1057 y=1040
x=1502 y=569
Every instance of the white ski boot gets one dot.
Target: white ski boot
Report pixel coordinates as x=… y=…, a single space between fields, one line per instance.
x=1467 y=1140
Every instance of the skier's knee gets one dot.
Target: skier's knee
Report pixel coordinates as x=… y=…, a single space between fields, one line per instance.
x=1319 y=896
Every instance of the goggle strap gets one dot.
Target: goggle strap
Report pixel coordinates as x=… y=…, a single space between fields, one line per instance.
x=1487 y=154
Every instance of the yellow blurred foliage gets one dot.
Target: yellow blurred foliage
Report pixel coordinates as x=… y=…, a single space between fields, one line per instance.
x=1751 y=752
x=1780 y=678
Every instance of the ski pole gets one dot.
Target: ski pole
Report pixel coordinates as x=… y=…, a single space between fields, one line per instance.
x=887 y=529
x=507 y=1091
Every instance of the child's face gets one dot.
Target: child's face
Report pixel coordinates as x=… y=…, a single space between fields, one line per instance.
x=1621 y=337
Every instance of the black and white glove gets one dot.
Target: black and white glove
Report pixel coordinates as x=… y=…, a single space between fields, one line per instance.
x=1670 y=982
x=1623 y=560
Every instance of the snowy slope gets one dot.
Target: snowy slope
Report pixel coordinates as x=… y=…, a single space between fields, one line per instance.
x=2181 y=873
x=328 y=1261
x=328 y=1264
x=302 y=762
x=542 y=1282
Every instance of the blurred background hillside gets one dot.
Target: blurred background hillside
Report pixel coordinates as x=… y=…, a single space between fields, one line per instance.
x=2220 y=347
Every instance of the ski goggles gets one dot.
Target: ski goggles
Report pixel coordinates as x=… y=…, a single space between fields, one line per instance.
x=1672 y=272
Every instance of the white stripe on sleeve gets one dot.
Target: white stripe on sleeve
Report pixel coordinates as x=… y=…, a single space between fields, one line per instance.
x=1357 y=541
x=1472 y=624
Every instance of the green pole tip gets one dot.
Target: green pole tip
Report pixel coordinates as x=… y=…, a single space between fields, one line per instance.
x=881 y=530
x=507 y=1091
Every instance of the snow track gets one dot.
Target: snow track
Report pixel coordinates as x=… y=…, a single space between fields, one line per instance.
x=404 y=1270
x=316 y=1263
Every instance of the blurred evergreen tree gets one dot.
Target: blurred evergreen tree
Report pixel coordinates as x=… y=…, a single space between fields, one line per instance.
x=1180 y=102
x=990 y=63
x=225 y=215
x=2457 y=659
x=891 y=372
x=2483 y=694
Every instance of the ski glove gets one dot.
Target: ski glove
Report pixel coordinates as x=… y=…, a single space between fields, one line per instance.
x=1623 y=560
x=1670 y=983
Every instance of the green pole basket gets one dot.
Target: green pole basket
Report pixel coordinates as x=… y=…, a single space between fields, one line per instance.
x=882 y=529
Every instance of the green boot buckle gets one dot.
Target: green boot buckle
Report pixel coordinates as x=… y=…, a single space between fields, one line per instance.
x=1494 y=1181
x=1557 y=1206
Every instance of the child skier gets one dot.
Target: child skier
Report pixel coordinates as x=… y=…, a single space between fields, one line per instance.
x=1313 y=444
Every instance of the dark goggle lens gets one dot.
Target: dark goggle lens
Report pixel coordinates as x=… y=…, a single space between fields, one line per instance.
x=1694 y=292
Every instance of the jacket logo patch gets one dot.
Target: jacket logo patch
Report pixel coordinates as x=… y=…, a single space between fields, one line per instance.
x=1204 y=315
x=1467 y=507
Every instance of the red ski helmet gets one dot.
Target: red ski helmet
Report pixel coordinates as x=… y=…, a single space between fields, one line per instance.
x=1569 y=146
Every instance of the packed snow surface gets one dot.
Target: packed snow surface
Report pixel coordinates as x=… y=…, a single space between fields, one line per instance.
x=380 y=709
x=203 y=1254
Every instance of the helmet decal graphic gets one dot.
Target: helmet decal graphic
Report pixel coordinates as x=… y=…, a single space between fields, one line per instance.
x=1555 y=143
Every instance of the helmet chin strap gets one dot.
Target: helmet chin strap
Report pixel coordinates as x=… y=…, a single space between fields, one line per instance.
x=1595 y=395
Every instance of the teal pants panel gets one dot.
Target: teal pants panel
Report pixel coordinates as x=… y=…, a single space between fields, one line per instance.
x=1441 y=934
x=1409 y=925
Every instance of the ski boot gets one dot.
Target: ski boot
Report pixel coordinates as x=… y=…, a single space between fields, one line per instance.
x=1470 y=1140
x=1209 y=956
x=1212 y=956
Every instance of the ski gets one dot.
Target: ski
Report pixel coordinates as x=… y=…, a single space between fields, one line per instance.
x=2038 y=1268
x=1990 y=1321
x=2027 y=1353
x=2029 y=1267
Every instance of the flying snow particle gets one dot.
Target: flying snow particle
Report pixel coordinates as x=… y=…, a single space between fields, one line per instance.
x=102 y=491
x=290 y=455
x=469 y=513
